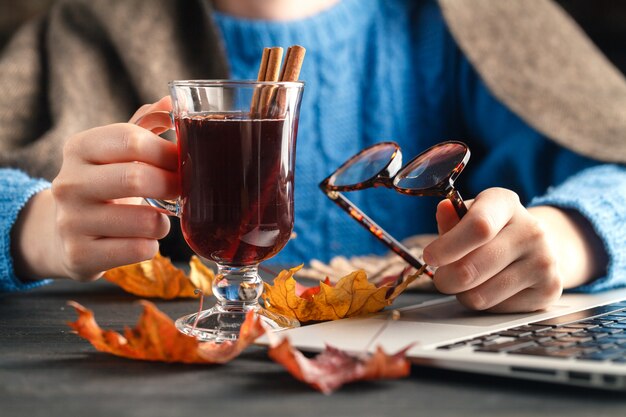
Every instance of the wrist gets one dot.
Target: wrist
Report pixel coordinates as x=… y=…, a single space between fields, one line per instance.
x=33 y=239
x=579 y=251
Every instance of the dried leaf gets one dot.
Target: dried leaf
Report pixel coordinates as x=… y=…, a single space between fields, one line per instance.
x=159 y=278
x=308 y=292
x=353 y=295
x=155 y=338
x=200 y=275
x=333 y=367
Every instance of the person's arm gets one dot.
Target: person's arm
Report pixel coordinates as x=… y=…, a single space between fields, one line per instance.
x=18 y=192
x=503 y=256
x=91 y=219
x=593 y=200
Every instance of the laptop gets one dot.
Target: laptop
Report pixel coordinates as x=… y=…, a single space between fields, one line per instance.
x=581 y=340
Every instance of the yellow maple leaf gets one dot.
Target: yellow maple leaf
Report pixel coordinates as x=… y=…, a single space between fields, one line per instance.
x=352 y=296
x=158 y=277
x=200 y=275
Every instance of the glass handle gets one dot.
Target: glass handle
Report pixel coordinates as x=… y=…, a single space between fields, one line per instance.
x=159 y=122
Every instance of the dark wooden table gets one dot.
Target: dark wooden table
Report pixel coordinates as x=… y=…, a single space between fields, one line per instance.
x=45 y=370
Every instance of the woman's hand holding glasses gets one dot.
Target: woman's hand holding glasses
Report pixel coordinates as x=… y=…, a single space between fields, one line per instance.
x=498 y=255
x=497 y=258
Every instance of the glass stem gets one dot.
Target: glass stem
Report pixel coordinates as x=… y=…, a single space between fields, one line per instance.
x=237 y=287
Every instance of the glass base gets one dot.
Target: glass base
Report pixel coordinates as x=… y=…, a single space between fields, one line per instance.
x=222 y=323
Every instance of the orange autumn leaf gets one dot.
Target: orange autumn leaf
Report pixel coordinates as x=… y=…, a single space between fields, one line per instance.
x=155 y=338
x=333 y=367
x=158 y=277
x=352 y=296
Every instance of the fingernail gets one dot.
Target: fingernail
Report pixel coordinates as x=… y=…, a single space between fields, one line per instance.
x=429 y=258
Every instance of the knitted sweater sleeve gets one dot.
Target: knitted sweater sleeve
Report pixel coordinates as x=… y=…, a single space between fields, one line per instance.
x=599 y=194
x=16 y=188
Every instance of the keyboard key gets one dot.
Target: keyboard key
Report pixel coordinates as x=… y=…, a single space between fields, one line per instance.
x=579 y=315
x=532 y=328
x=507 y=346
x=557 y=344
x=621 y=304
x=540 y=338
x=598 y=330
x=572 y=330
x=554 y=334
x=614 y=317
x=566 y=353
x=452 y=346
x=515 y=333
x=598 y=344
x=612 y=331
x=604 y=355
x=565 y=329
x=582 y=325
x=592 y=321
x=614 y=340
x=577 y=339
x=601 y=322
x=534 y=351
x=616 y=326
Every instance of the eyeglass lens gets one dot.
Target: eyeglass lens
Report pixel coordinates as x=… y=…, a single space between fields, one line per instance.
x=364 y=166
x=431 y=168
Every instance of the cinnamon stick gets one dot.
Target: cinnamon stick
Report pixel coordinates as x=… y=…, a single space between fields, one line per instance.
x=293 y=63
x=254 y=105
x=271 y=74
x=270 y=101
x=273 y=65
x=290 y=72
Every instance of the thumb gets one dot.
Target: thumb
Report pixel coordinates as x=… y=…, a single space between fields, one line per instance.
x=154 y=117
x=446 y=216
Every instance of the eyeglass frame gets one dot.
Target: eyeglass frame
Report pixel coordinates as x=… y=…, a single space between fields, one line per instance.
x=385 y=177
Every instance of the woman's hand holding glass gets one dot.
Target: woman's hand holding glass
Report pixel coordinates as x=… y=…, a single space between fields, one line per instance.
x=93 y=218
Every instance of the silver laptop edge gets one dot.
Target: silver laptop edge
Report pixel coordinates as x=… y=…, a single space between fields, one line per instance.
x=440 y=322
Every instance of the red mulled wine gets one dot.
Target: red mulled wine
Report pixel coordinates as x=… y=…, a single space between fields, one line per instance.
x=237 y=186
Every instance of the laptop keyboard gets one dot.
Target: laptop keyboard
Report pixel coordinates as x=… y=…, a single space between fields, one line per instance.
x=595 y=334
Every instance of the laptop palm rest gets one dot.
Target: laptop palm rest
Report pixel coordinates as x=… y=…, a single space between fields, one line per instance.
x=426 y=325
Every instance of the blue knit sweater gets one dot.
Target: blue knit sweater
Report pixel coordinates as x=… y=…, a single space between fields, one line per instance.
x=16 y=188
x=389 y=70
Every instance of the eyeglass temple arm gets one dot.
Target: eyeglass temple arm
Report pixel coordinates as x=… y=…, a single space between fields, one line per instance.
x=457 y=202
x=377 y=231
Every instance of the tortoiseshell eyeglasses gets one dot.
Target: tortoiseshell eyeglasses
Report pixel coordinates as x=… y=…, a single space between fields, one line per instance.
x=431 y=173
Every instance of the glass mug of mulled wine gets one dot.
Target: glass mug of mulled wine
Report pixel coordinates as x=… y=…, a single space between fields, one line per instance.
x=236 y=155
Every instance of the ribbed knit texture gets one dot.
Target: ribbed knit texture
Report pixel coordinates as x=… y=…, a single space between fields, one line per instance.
x=599 y=194
x=389 y=70
x=15 y=190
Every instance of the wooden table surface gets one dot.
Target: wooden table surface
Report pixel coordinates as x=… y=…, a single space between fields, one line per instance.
x=45 y=370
